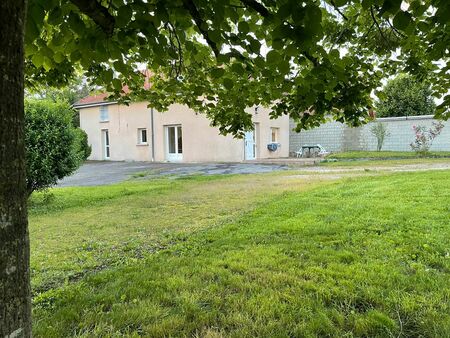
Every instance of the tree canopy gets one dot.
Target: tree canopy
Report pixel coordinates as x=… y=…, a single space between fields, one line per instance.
x=72 y=91
x=405 y=96
x=303 y=58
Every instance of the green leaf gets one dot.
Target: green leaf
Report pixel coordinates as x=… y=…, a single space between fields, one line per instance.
x=243 y=27
x=273 y=57
x=367 y=3
x=291 y=50
x=107 y=75
x=259 y=61
x=58 y=40
x=340 y=3
x=284 y=67
x=124 y=15
x=237 y=68
x=390 y=6
x=58 y=57
x=30 y=49
x=402 y=20
x=76 y=24
x=38 y=60
x=278 y=44
x=47 y=64
x=55 y=16
x=215 y=36
x=284 y=11
x=117 y=84
x=75 y=56
x=423 y=26
x=298 y=16
x=255 y=46
x=228 y=83
x=314 y=14
x=217 y=72
x=31 y=31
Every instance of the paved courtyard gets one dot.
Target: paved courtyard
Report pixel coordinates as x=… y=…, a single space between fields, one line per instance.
x=108 y=172
x=102 y=173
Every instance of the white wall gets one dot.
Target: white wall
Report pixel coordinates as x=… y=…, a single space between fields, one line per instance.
x=402 y=134
x=201 y=142
x=335 y=136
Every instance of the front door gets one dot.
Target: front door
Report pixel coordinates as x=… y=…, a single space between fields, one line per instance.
x=250 y=145
x=174 y=144
x=105 y=142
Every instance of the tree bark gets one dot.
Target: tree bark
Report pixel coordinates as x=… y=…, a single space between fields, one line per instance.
x=15 y=303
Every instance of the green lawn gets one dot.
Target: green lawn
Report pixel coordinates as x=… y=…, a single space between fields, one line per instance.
x=242 y=256
x=357 y=155
x=385 y=163
x=75 y=231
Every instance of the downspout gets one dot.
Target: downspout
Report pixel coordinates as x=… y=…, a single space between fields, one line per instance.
x=153 y=134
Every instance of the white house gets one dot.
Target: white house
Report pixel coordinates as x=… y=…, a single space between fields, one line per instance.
x=138 y=133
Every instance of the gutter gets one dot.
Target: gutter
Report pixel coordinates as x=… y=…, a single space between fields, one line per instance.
x=153 y=134
x=87 y=105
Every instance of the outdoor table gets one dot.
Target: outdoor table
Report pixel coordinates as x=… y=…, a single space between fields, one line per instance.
x=309 y=147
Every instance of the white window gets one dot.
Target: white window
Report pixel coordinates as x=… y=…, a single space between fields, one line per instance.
x=105 y=142
x=174 y=143
x=274 y=135
x=104 y=115
x=142 y=136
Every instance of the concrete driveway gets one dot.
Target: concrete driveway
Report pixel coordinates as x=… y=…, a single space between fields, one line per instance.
x=107 y=172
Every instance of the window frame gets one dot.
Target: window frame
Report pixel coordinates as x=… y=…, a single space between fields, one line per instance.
x=140 y=138
x=274 y=131
x=104 y=113
x=106 y=144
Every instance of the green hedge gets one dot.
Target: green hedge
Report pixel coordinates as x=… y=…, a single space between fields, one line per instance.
x=54 y=147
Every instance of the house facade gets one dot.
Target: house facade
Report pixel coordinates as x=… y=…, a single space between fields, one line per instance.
x=138 y=133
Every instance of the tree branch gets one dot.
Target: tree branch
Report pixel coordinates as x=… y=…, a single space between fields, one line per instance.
x=255 y=5
x=368 y=31
x=172 y=33
x=378 y=26
x=337 y=40
x=336 y=8
x=311 y=58
x=398 y=33
x=189 y=5
x=97 y=13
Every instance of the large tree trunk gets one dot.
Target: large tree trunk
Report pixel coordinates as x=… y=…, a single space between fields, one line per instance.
x=15 y=304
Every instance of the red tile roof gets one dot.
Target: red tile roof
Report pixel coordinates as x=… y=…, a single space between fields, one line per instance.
x=92 y=99
x=101 y=97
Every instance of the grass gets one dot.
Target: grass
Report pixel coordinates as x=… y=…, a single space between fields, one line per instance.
x=368 y=256
x=380 y=155
x=385 y=163
x=75 y=231
x=361 y=156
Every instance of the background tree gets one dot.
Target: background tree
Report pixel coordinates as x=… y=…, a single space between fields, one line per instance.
x=54 y=147
x=307 y=59
x=74 y=90
x=405 y=96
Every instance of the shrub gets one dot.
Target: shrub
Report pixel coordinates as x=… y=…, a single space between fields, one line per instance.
x=53 y=146
x=380 y=131
x=424 y=137
x=84 y=149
